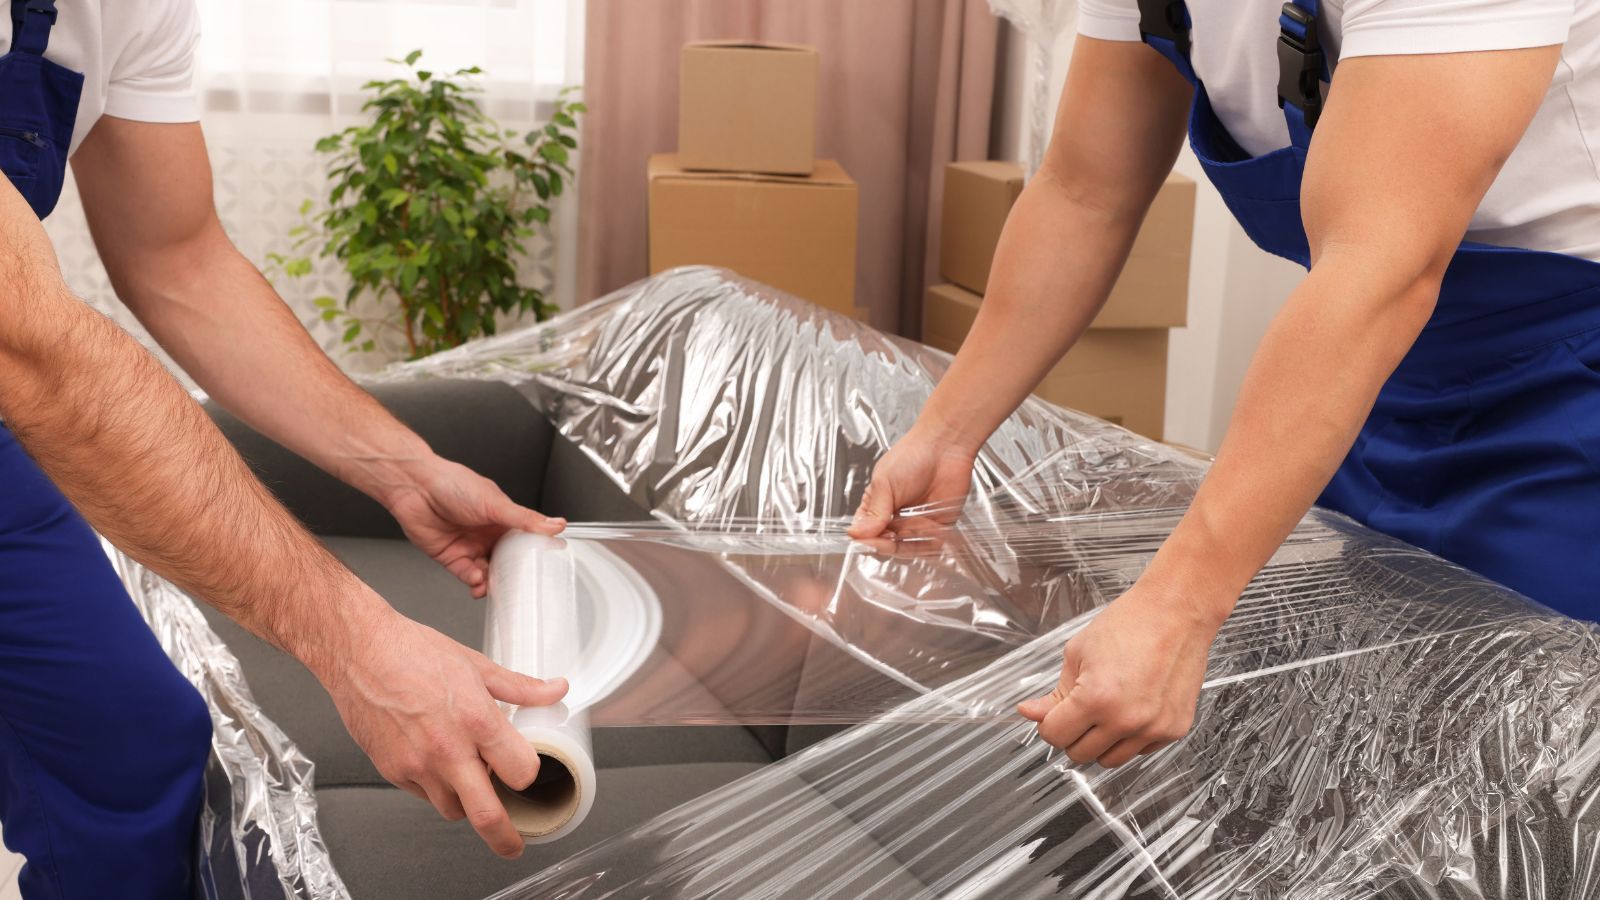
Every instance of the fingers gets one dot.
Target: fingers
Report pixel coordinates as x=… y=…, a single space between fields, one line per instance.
x=472 y=572
x=484 y=810
x=1066 y=723
x=510 y=756
x=442 y=798
x=875 y=512
x=524 y=519
x=1094 y=744
x=1037 y=708
x=521 y=690
x=1125 y=750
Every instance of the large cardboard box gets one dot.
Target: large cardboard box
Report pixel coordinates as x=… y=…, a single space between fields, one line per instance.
x=1117 y=374
x=1153 y=290
x=797 y=234
x=747 y=107
x=977 y=198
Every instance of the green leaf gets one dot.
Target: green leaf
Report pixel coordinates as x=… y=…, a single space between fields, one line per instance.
x=391 y=163
x=325 y=302
x=350 y=332
x=423 y=74
x=541 y=213
x=412 y=57
x=328 y=315
x=305 y=206
x=368 y=346
x=553 y=152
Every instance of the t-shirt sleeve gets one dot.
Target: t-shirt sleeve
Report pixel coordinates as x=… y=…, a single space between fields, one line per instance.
x=152 y=78
x=1109 y=20
x=1402 y=27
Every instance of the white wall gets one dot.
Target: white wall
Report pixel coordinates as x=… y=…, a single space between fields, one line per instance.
x=1234 y=288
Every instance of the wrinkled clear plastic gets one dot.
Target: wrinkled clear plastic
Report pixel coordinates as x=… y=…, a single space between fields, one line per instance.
x=1375 y=722
x=259 y=838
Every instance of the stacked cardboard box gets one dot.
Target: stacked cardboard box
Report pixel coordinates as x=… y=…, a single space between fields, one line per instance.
x=745 y=191
x=1118 y=369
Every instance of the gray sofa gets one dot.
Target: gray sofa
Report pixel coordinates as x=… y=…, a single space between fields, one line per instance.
x=385 y=843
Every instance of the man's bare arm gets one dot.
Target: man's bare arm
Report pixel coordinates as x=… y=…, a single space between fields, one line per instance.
x=147 y=468
x=146 y=189
x=145 y=465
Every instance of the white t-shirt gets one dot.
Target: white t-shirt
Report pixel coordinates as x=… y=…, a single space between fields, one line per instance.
x=136 y=56
x=1547 y=196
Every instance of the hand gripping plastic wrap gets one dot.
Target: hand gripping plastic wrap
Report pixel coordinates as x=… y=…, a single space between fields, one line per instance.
x=1376 y=722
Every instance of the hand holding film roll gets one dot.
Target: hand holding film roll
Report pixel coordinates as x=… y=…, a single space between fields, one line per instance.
x=532 y=627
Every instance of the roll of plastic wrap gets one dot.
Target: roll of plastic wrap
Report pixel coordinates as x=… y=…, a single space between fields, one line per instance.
x=533 y=628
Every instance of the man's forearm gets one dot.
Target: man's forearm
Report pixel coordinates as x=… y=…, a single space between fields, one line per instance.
x=147 y=468
x=229 y=330
x=1310 y=387
x=1056 y=263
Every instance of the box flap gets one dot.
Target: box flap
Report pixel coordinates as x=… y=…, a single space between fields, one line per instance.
x=827 y=173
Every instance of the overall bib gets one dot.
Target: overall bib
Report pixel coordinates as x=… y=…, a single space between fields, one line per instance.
x=1484 y=446
x=103 y=743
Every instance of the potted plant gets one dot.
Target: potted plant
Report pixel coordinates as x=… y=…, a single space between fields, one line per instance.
x=428 y=208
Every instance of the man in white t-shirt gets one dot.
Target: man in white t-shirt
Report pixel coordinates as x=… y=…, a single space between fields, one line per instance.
x=102 y=741
x=1433 y=163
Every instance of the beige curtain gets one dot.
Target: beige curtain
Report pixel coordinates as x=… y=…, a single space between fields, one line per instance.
x=905 y=86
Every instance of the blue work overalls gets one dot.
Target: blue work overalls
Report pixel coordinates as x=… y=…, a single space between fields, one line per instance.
x=103 y=743
x=1484 y=445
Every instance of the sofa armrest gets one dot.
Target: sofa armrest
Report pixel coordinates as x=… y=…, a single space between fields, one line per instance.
x=484 y=425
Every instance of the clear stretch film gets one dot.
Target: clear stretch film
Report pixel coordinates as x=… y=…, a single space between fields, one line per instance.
x=1375 y=723
x=533 y=628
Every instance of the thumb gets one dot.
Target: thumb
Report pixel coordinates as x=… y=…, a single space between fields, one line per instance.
x=522 y=690
x=522 y=518
x=876 y=510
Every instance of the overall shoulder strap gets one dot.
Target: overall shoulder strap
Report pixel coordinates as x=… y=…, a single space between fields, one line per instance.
x=1302 y=67
x=1164 y=25
x=31 y=21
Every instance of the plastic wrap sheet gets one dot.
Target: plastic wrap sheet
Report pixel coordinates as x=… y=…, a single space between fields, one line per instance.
x=1375 y=722
x=716 y=401
x=258 y=830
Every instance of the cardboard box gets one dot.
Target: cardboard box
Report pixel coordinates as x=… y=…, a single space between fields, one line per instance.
x=1153 y=290
x=977 y=198
x=797 y=234
x=747 y=107
x=1117 y=374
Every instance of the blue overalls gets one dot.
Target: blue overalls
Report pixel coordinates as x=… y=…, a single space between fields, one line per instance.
x=1484 y=446
x=103 y=743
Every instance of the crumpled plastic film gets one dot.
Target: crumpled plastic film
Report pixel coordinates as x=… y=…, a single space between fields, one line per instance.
x=1376 y=722
x=259 y=838
x=715 y=400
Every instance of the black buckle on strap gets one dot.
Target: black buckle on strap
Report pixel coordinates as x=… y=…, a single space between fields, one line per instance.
x=1300 y=64
x=1165 y=19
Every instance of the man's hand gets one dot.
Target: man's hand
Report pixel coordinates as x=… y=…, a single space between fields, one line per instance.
x=1130 y=680
x=917 y=471
x=456 y=515
x=423 y=707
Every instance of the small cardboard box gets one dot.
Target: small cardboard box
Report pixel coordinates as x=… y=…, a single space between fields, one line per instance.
x=1117 y=374
x=747 y=107
x=797 y=234
x=1153 y=290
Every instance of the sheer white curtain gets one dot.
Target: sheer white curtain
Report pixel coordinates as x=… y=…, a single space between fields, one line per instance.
x=275 y=75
